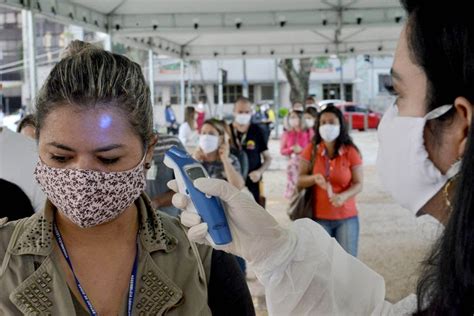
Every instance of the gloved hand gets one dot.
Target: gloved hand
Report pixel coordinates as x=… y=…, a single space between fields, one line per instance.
x=256 y=236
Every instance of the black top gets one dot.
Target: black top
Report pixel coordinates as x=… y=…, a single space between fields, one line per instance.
x=253 y=143
x=227 y=289
x=15 y=203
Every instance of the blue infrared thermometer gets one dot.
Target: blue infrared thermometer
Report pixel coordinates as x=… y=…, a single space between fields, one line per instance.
x=210 y=208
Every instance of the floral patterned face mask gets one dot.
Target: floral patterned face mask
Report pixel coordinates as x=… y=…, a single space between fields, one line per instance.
x=90 y=198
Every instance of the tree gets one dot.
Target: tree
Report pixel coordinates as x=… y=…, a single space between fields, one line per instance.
x=297 y=78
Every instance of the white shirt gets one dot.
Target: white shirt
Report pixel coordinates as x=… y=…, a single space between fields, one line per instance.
x=18 y=158
x=315 y=276
x=187 y=136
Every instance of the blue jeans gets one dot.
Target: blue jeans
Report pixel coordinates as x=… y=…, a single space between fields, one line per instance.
x=346 y=232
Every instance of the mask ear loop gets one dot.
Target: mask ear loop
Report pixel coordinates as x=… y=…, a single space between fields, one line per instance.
x=438 y=112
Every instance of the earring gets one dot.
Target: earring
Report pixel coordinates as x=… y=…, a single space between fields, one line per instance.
x=147 y=165
x=446 y=194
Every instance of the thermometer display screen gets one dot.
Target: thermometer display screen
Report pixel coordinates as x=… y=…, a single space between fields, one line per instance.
x=195 y=173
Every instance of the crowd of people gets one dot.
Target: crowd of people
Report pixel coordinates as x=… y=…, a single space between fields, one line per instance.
x=84 y=229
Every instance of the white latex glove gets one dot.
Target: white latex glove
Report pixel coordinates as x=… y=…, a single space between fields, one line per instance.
x=256 y=236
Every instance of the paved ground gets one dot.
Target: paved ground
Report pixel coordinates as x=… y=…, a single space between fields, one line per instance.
x=392 y=242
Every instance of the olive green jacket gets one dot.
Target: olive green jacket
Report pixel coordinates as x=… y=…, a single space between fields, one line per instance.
x=172 y=272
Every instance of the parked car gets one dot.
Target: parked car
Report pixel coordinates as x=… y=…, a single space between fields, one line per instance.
x=356 y=113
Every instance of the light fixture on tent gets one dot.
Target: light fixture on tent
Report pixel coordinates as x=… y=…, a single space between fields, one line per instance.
x=380 y=48
x=71 y=15
x=187 y=54
x=282 y=20
x=53 y=10
x=398 y=19
x=96 y=23
x=244 y=53
x=216 y=54
x=238 y=23
x=352 y=49
x=326 y=51
x=38 y=6
x=117 y=27
x=272 y=52
x=301 y=51
x=84 y=19
x=325 y=22
x=155 y=27
x=196 y=24
x=359 y=20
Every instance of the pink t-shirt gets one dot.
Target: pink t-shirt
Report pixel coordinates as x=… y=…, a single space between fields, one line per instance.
x=292 y=138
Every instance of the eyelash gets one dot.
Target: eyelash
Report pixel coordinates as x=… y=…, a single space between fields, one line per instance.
x=390 y=89
x=105 y=161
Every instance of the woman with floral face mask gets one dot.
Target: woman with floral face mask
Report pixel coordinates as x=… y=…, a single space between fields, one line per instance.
x=293 y=141
x=214 y=153
x=98 y=247
x=423 y=138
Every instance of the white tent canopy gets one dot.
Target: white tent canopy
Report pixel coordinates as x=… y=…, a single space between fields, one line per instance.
x=203 y=29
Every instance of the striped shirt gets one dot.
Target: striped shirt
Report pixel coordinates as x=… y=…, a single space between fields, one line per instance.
x=161 y=173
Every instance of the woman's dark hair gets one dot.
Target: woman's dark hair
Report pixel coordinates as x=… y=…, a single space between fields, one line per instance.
x=343 y=139
x=441 y=42
x=311 y=111
x=27 y=120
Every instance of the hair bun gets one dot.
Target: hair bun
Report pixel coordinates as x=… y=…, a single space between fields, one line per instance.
x=77 y=47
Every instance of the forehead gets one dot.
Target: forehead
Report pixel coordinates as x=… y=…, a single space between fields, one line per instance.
x=328 y=116
x=242 y=106
x=208 y=128
x=91 y=127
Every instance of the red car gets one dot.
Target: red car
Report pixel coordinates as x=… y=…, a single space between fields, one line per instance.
x=358 y=114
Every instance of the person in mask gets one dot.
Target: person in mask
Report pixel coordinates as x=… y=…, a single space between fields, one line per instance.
x=98 y=246
x=332 y=166
x=214 y=154
x=423 y=137
x=292 y=143
x=247 y=138
x=188 y=132
x=296 y=106
x=310 y=116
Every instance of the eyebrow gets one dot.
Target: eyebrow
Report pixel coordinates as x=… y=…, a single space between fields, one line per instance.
x=395 y=75
x=101 y=149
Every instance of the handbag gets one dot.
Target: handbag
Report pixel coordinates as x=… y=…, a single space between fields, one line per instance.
x=302 y=203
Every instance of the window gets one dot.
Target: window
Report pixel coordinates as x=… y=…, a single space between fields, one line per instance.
x=174 y=94
x=232 y=92
x=267 y=93
x=333 y=91
x=385 y=80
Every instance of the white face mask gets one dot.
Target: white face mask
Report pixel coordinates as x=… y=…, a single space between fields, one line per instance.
x=329 y=132
x=208 y=143
x=294 y=122
x=243 y=118
x=403 y=163
x=309 y=123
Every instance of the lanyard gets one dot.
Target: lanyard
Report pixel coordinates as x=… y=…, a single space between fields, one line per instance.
x=327 y=163
x=92 y=311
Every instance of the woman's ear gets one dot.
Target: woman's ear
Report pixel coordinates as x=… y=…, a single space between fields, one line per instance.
x=464 y=112
x=151 y=148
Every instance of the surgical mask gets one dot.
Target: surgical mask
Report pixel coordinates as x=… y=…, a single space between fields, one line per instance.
x=243 y=118
x=403 y=163
x=87 y=197
x=329 y=132
x=294 y=122
x=208 y=143
x=309 y=123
